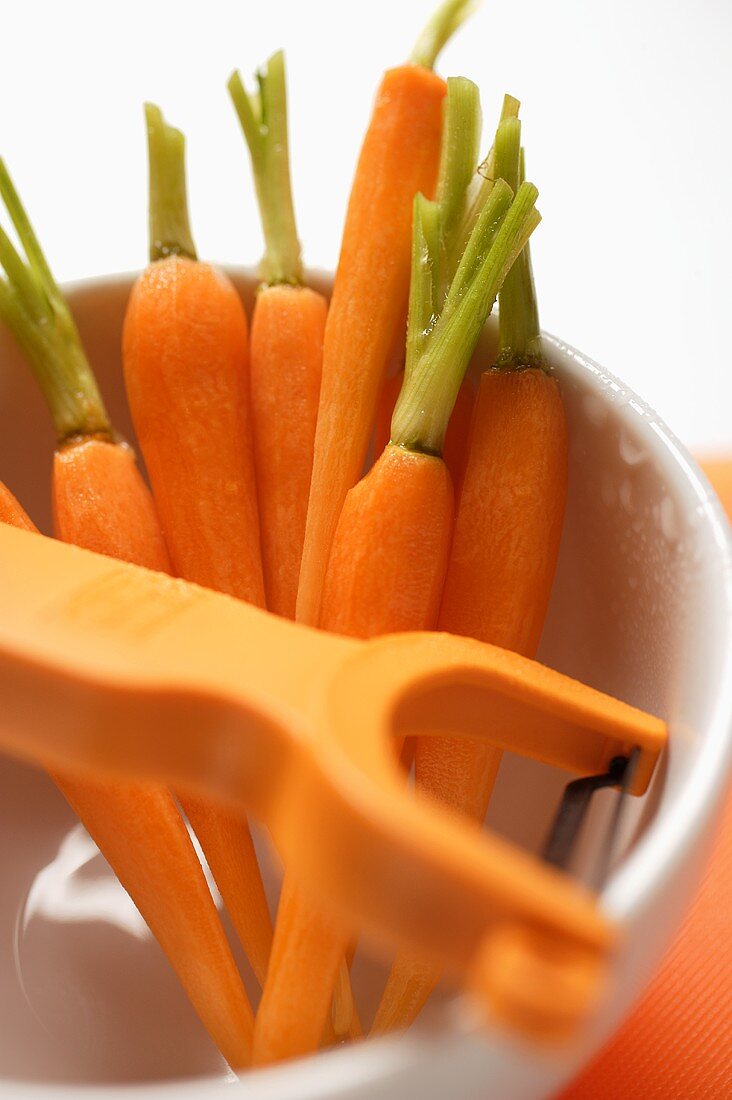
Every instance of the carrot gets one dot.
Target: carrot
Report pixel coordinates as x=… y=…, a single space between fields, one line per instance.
x=399 y=158
x=286 y=357
x=185 y=348
x=359 y=600
x=390 y=550
x=186 y=373
x=11 y=512
x=286 y=351
x=456 y=439
x=504 y=550
x=387 y=564
x=392 y=541
x=102 y=503
x=287 y=354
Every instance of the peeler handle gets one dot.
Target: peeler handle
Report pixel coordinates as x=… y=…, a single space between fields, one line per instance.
x=109 y=667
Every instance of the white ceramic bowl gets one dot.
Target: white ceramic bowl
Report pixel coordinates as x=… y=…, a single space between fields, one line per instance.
x=642 y=608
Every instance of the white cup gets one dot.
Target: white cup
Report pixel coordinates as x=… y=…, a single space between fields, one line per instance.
x=642 y=608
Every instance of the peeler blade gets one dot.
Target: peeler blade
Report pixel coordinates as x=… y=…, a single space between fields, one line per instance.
x=603 y=864
x=572 y=813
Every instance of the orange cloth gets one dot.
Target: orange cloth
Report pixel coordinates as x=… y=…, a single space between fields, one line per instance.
x=677 y=1044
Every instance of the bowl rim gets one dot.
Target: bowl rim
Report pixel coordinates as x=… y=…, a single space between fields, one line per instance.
x=646 y=867
x=644 y=871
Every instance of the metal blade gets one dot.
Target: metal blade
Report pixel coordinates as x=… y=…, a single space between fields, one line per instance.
x=602 y=867
x=573 y=809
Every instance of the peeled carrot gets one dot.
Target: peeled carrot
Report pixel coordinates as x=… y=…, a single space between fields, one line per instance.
x=102 y=504
x=186 y=372
x=142 y=835
x=307 y=966
x=504 y=551
x=513 y=503
x=294 y=1015
x=399 y=157
x=286 y=351
x=286 y=355
x=185 y=349
x=385 y=574
x=456 y=439
x=11 y=512
x=389 y=554
x=391 y=544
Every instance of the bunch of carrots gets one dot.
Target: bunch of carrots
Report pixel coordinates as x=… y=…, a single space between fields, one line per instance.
x=353 y=464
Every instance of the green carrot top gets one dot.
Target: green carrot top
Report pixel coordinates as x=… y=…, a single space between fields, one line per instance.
x=36 y=312
x=458 y=158
x=454 y=283
x=519 y=331
x=263 y=118
x=170 y=229
x=450 y=15
x=482 y=181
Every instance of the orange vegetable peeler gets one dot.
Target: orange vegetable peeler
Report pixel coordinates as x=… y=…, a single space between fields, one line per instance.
x=109 y=667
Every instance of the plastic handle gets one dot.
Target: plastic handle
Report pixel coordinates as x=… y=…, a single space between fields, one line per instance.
x=109 y=667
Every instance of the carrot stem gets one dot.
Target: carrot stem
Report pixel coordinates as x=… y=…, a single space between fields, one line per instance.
x=480 y=241
x=434 y=257
x=434 y=376
x=458 y=158
x=263 y=118
x=482 y=182
x=35 y=311
x=425 y=258
x=519 y=330
x=509 y=110
x=441 y=27
x=170 y=228
x=433 y=225
x=506 y=150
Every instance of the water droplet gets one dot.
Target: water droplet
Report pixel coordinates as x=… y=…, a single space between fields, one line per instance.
x=631 y=452
x=667 y=520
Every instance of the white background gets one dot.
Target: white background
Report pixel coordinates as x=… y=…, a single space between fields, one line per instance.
x=626 y=109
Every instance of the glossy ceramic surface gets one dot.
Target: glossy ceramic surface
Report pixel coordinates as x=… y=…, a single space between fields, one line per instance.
x=642 y=608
